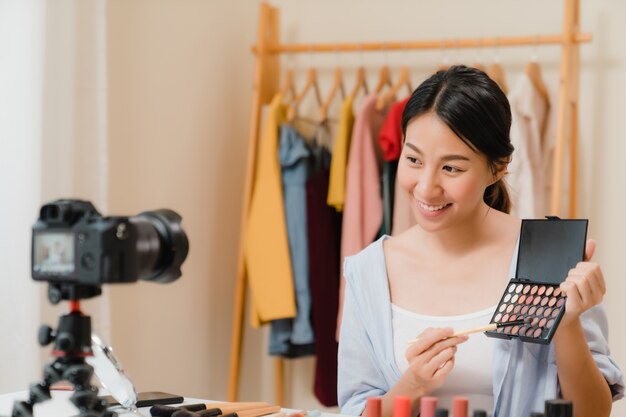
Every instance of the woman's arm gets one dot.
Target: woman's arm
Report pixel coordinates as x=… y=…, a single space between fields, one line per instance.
x=580 y=379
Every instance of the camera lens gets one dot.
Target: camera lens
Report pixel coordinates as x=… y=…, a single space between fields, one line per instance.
x=162 y=245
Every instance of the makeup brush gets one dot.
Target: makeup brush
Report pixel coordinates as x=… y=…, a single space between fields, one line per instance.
x=489 y=327
x=258 y=412
x=492 y=326
x=209 y=408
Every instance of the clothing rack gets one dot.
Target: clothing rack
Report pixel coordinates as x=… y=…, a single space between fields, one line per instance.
x=268 y=49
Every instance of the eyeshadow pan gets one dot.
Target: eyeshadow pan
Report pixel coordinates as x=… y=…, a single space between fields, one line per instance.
x=540 y=304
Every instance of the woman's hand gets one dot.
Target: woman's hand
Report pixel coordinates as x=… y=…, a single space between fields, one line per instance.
x=584 y=286
x=431 y=358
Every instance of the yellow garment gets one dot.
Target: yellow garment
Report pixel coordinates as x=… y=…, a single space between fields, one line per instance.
x=337 y=180
x=266 y=248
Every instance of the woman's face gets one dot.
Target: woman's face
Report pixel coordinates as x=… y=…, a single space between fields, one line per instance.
x=443 y=177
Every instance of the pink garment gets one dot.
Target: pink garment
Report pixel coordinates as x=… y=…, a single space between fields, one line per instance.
x=526 y=178
x=363 y=207
x=403 y=217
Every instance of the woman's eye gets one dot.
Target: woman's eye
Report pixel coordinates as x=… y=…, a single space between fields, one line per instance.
x=452 y=170
x=412 y=160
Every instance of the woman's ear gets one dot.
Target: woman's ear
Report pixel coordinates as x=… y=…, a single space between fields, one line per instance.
x=500 y=169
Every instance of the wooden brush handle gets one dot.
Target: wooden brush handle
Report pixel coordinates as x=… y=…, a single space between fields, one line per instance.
x=238 y=407
x=260 y=411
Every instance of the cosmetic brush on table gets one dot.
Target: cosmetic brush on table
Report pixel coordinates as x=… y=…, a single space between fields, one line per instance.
x=210 y=408
x=257 y=412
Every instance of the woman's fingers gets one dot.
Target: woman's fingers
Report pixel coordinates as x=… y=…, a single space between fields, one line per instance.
x=426 y=339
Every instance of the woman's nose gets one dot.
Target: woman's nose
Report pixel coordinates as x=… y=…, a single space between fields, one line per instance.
x=427 y=186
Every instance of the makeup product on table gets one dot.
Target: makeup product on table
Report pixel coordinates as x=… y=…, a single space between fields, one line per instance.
x=548 y=249
x=401 y=406
x=428 y=406
x=460 y=406
x=441 y=412
x=373 y=406
x=480 y=413
x=558 y=408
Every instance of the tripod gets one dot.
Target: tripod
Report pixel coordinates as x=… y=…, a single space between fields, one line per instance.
x=72 y=344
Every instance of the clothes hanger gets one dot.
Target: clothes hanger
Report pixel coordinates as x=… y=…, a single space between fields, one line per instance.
x=311 y=83
x=361 y=81
x=496 y=73
x=337 y=86
x=533 y=72
x=288 y=88
x=404 y=79
x=384 y=78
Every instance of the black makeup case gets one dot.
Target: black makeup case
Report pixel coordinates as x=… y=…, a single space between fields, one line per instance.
x=548 y=249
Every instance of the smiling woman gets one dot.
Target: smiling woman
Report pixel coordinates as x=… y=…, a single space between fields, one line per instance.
x=463 y=248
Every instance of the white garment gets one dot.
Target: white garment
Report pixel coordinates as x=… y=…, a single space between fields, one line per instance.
x=466 y=379
x=528 y=171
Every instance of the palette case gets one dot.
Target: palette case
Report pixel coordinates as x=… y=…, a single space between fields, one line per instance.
x=548 y=249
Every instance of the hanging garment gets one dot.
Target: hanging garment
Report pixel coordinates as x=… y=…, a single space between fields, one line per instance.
x=324 y=230
x=363 y=208
x=526 y=178
x=294 y=337
x=403 y=217
x=390 y=141
x=266 y=250
x=337 y=182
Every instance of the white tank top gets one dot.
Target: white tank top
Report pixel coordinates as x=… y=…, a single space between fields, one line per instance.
x=471 y=376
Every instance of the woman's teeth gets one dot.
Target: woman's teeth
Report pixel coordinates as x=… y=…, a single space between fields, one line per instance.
x=431 y=208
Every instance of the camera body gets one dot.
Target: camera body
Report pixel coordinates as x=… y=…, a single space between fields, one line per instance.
x=73 y=244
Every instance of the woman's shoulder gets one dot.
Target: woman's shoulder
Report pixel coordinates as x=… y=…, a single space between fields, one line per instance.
x=367 y=259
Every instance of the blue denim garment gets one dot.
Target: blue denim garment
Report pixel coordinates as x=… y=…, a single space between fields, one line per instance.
x=524 y=374
x=286 y=334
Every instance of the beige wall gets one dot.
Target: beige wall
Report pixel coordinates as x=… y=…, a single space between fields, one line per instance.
x=180 y=76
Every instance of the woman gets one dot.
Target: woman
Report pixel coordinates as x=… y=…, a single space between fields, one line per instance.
x=450 y=269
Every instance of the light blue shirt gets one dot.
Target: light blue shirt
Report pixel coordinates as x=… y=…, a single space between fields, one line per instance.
x=524 y=374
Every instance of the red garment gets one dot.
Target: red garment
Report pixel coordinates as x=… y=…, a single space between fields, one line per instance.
x=390 y=136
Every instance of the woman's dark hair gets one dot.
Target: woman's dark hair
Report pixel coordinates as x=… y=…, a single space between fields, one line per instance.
x=477 y=111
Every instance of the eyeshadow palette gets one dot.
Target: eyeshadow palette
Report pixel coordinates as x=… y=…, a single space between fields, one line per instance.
x=548 y=249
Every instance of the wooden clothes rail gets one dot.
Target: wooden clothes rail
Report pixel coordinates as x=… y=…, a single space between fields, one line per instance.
x=266 y=79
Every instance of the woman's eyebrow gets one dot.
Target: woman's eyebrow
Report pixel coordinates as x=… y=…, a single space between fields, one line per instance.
x=443 y=158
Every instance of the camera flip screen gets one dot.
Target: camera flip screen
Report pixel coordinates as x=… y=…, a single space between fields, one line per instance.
x=53 y=253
